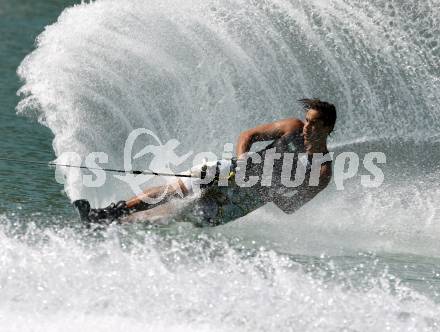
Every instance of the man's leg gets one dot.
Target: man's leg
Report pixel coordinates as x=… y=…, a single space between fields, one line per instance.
x=166 y=191
x=124 y=208
x=158 y=215
x=138 y=203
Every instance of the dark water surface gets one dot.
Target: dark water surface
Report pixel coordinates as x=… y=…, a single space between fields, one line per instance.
x=26 y=187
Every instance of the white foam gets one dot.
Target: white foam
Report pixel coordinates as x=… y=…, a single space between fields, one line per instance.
x=51 y=281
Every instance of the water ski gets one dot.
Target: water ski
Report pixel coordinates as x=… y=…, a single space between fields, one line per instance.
x=101 y=216
x=83 y=208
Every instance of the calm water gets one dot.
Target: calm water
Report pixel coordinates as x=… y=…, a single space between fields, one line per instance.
x=31 y=189
x=360 y=259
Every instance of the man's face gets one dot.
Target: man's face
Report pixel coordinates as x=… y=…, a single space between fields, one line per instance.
x=314 y=129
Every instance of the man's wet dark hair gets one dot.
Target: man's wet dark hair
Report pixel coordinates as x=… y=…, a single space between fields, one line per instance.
x=327 y=111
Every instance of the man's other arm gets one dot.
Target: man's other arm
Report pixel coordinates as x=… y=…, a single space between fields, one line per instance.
x=305 y=192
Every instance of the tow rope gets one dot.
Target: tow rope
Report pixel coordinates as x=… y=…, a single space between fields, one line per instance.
x=95 y=168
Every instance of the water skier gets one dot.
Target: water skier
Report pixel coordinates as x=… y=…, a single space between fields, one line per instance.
x=225 y=194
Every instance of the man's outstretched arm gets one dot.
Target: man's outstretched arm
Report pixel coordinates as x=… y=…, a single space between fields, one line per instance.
x=267 y=132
